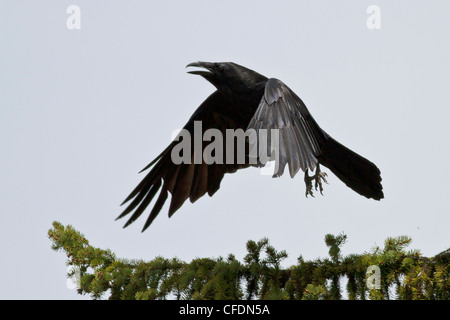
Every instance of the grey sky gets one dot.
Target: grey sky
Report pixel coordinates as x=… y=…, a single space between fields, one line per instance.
x=82 y=111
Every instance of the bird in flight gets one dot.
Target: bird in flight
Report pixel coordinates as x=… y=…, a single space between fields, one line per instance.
x=246 y=100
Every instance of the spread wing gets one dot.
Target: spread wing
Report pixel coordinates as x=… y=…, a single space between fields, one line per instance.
x=299 y=139
x=186 y=180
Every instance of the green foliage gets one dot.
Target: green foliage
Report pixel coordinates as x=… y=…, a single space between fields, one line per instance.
x=404 y=274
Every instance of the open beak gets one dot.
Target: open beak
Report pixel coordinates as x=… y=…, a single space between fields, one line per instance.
x=206 y=66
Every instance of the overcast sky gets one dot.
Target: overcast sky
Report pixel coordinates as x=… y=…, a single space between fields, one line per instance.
x=82 y=111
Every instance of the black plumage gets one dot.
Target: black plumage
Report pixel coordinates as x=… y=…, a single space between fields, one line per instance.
x=247 y=100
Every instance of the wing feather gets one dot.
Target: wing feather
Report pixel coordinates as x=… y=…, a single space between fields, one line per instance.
x=185 y=181
x=300 y=138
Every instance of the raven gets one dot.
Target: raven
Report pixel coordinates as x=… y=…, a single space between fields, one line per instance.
x=246 y=100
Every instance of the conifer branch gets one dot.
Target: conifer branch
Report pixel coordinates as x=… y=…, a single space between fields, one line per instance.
x=404 y=275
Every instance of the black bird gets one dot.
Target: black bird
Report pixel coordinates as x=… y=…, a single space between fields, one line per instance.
x=246 y=100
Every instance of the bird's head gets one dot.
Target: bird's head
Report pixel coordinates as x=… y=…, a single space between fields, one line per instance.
x=228 y=76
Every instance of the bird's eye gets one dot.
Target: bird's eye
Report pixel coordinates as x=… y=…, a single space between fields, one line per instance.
x=220 y=67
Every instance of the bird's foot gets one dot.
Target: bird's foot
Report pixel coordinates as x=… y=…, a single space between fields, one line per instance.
x=317 y=177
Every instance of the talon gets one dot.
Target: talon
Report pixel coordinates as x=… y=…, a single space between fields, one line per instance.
x=308 y=183
x=317 y=177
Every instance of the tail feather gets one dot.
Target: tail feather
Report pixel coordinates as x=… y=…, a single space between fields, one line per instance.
x=355 y=171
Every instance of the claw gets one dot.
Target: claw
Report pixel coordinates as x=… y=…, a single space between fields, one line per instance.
x=308 y=183
x=317 y=177
x=320 y=176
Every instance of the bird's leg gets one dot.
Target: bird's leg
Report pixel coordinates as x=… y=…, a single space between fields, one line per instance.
x=317 y=177
x=308 y=184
